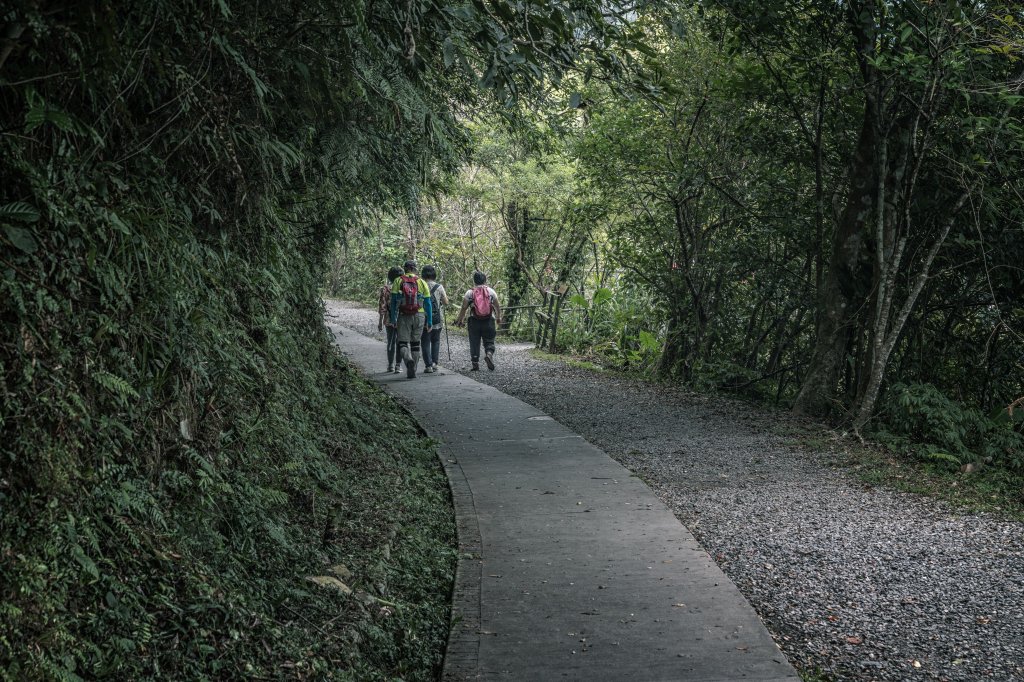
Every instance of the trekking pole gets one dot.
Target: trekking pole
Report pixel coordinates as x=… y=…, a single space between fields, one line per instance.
x=447 y=342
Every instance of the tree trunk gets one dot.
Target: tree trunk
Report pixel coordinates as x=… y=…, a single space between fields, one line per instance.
x=844 y=292
x=517 y=223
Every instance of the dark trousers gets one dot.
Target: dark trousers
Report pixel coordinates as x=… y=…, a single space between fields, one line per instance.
x=392 y=344
x=484 y=330
x=430 y=342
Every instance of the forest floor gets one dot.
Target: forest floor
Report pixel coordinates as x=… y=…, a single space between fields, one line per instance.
x=854 y=581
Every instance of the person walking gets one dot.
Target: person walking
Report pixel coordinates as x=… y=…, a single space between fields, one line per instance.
x=431 y=340
x=484 y=318
x=384 y=319
x=411 y=313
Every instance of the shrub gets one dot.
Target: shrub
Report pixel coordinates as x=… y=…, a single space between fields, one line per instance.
x=920 y=419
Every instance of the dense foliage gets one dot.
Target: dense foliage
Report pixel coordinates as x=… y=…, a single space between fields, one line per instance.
x=180 y=445
x=821 y=209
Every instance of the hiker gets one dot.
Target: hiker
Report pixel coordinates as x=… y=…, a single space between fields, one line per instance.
x=483 y=320
x=411 y=313
x=384 y=319
x=431 y=340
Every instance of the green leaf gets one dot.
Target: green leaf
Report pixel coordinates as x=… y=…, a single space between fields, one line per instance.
x=601 y=295
x=114 y=384
x=20 y=211
x=21 y=238
x=118 y=224
x=574 y=100
x=449 y=52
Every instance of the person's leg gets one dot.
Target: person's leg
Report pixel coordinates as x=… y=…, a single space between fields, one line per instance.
x=405 y=335
x=473 y=327
x=489 y=332
x=435 y=346
x=392 y=346
x=425 y=349
x=415 y=334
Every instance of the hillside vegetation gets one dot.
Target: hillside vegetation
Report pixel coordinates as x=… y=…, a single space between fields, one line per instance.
x=181 y=445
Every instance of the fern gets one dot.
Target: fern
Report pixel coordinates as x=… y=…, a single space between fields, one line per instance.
x=115 y=384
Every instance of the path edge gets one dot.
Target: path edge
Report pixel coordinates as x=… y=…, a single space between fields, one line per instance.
x=462 y=651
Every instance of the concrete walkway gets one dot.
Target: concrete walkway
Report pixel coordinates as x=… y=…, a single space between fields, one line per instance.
x=570 y=568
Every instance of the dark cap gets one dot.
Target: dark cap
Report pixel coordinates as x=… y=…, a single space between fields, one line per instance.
x=410 y=265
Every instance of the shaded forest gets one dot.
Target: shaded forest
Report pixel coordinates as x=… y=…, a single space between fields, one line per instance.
x=811 y=203
x=819 y=207
x=181 y=444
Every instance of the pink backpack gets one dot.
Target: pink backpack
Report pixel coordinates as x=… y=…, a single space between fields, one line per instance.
x=481 y=302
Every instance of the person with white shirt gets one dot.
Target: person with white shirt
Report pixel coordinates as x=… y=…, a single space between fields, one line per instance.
x=431 y=340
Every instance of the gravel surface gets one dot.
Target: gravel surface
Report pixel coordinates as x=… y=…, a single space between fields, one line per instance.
x=854 y=583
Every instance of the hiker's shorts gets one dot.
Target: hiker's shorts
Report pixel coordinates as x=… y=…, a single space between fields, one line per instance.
x=410 y=329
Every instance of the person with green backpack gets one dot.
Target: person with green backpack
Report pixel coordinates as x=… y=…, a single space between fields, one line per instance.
x=430 y=342
x=384 y=319
x=411 y=313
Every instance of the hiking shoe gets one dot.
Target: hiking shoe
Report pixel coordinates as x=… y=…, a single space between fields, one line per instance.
x=410 y=369
x=391 y=368
x=476 y=367
x=489 y=359
x=428 y=370
x=397 y=368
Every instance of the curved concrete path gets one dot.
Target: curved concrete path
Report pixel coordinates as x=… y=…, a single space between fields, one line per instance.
x=570 y=567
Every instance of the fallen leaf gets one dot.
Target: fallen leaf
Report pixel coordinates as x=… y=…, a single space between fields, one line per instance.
x=854 y=639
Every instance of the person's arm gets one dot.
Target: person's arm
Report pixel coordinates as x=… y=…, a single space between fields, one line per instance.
x=497 y=310
x=462 y=313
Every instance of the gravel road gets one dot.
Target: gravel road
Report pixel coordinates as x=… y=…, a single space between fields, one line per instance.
x=854 y=583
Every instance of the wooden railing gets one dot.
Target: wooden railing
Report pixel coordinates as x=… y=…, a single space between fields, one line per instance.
x=543 y=317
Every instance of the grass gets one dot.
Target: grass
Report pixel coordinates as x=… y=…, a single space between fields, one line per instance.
x=567 y=360
x=984 y=490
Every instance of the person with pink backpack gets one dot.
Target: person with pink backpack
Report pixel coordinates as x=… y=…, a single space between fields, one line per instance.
x=484 y=318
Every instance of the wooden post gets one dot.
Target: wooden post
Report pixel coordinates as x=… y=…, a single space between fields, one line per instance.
x=560 y=293
x=545 y=319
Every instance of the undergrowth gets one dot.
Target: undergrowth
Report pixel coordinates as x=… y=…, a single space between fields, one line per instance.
x=180 y=444
x=195 y=567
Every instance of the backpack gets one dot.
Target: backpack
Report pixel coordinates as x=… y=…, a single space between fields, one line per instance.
x=409 y=291
x=481 y=302
x=435 y=307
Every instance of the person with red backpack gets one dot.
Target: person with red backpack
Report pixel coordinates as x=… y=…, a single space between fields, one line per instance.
x=411 y=313
x=483 y=320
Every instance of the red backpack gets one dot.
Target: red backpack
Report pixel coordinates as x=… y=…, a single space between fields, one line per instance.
x=481 y=302
x=409 y=290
